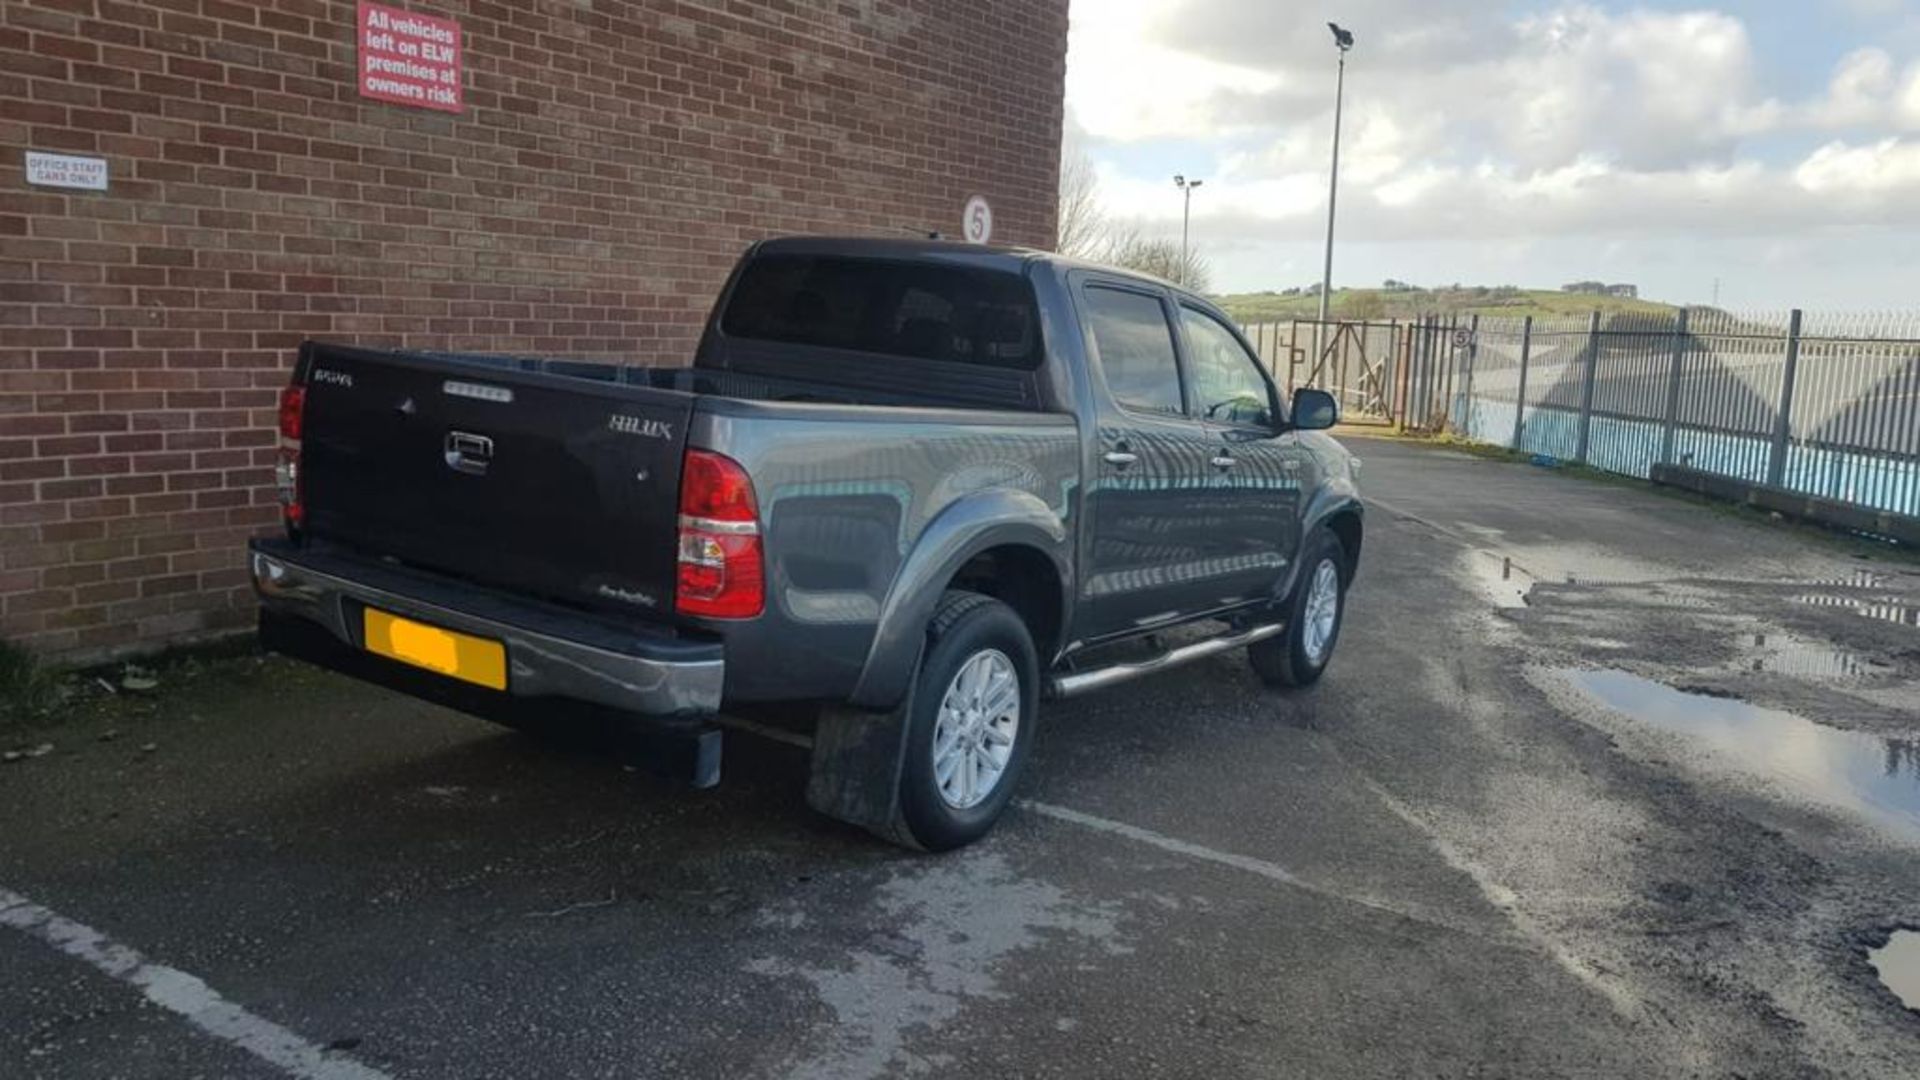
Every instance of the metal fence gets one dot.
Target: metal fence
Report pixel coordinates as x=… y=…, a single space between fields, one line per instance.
x=1826 y=405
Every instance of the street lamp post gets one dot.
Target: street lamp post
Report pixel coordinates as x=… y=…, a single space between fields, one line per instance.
x=1186 y=218
x=1343 y=39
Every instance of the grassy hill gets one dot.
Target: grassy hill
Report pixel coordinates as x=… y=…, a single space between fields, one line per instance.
x=1381 y=304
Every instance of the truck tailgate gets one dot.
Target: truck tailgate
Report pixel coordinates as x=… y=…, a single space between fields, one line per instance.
x=558 y=487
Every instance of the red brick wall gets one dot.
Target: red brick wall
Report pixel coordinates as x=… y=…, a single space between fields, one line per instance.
x=612 y=160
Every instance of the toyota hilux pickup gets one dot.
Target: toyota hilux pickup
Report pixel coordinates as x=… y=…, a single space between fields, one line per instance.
x=917 y=486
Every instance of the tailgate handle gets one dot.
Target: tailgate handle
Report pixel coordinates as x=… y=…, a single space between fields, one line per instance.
x=469 y=453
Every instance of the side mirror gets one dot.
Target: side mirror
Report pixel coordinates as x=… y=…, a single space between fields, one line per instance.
x=1314 y=410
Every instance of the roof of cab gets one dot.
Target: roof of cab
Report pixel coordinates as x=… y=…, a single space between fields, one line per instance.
x=887 y=247
x=984 y=256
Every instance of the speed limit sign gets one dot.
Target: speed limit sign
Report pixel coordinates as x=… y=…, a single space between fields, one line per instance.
x=977 y=221
x=1462 y=338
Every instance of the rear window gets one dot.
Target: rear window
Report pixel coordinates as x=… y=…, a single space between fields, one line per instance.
x=893 y=308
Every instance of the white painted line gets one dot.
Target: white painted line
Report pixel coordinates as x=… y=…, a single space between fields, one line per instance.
x=1247 y=863
x=1507 y=902
x=179 y=992
x=1261 y=867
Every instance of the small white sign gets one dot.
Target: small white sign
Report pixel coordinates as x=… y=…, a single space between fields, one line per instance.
x=1462 y=338
x=66 y=171
x=977 y=222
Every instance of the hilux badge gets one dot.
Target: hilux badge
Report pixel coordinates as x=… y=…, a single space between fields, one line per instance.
x=634 y=425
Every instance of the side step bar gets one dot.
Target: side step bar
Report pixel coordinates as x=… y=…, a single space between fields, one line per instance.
x=1081 y=682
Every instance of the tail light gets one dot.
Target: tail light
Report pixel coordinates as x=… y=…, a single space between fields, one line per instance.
x=286 y=471
x=720 y=571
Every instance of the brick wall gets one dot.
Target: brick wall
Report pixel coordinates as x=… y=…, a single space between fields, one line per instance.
x=612 y=160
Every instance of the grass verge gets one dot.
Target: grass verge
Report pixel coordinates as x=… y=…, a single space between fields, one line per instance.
x=36 y=695
x=30 y=690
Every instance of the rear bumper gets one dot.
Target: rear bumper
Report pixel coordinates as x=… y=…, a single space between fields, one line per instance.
x=548 y=655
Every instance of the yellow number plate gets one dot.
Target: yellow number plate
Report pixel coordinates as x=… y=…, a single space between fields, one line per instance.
x=472 y=659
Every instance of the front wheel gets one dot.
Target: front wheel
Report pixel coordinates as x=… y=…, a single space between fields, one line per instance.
x=1299 y=656
x=970 y=723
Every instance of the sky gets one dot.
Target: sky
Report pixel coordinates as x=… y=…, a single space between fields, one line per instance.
x=1771 y=145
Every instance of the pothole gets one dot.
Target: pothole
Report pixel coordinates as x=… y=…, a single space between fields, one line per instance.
x=1898 y=964
x=1871 y=775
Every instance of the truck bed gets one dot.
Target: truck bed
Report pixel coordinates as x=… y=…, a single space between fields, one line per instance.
x=766 y=374
x=559 y=480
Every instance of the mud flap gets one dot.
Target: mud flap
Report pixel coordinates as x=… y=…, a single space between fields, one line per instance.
x=858 y=759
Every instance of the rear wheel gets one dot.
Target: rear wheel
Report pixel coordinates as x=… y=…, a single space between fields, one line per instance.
x=970 y=722
x=1315 y=611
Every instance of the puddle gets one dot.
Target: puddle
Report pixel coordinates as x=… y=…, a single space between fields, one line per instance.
x=1503 y=583
x=1884 y=609
x=1875 y=776
x=1898 y=962
x=1785 y=654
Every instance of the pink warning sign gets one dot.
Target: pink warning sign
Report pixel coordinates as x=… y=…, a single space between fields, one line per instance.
x=409 y=59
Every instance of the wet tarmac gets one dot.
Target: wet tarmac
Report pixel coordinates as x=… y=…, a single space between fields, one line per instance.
x=1505 y=584
x=1444 y=860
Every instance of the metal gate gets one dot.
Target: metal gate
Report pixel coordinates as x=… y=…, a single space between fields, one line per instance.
x=1436 y=368
x=1355 y=361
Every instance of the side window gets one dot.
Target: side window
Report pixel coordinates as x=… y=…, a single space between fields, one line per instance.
x=1136 y=349
x=1227 y=386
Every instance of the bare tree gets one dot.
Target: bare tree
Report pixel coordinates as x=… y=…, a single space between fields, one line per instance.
x=1083 y=229
x=1086 y=232
x=1160 y=257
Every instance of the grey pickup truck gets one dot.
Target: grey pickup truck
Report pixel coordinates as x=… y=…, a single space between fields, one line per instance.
x=920 y=486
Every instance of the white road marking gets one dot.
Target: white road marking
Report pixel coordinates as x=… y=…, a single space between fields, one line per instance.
x=1246 y=863
x=181 y=993
x=1528 y=933
x=1261 y=867
x=1507 y=902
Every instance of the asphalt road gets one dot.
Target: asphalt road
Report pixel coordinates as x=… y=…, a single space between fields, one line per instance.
x=1452 y=859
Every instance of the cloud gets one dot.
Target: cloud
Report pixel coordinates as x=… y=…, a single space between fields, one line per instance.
x=1530 y=118
x=1858 y=93
x=1888 y=167
x=1867 y=91
x=1125 y=83
x=1907 y=108
x=1642 y=87
x=1590 y=127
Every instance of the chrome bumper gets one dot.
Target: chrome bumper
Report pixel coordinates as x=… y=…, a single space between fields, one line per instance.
x=538 y=664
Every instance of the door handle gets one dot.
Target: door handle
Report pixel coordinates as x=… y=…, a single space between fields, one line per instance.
x=1223 y=461
x=1119 y=459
